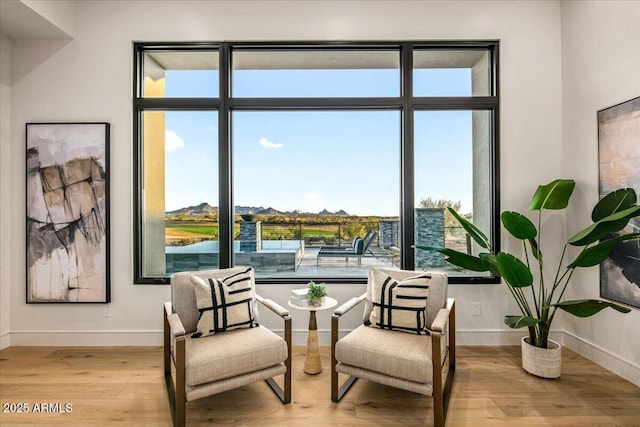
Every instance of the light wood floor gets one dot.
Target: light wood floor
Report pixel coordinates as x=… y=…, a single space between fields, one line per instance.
x=125 y=386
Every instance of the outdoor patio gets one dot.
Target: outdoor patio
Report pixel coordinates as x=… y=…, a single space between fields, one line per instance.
x=310 y=266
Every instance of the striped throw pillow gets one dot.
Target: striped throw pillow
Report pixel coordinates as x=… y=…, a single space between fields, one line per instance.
x=399 y=305
x=224 y=303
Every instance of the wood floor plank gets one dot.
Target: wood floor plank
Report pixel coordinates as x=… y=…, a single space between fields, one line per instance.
x=124 y=386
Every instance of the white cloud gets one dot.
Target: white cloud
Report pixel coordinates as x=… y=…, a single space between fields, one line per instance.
x=269 y=144
x=172 y=141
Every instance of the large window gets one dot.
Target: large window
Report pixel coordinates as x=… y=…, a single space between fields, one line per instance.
x=312 y=162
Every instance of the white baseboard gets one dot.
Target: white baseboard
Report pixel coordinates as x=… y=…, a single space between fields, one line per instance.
x=488 y=337
x=87 y=338
x=497 y=336
x=627 y=369
x=5 y=340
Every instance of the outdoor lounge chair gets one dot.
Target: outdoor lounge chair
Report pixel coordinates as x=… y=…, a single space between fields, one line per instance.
x=351 y=247
x=359 y=250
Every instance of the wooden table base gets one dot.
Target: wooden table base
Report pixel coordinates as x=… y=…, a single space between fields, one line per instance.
x=312 y=364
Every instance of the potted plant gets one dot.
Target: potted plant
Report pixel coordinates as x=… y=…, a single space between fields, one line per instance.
x=316 y=293
x=539 y=305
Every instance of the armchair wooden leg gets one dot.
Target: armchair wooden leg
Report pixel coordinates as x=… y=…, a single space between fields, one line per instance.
x=337 y=392
x=334 y=362
x=180 y=397
x=176 y=392
x=448 y=383
x=167 y=343
x=452 y=337
x=284 y=393
x=287 y=375
x=181 y=400
x=442 y=392
x=438 y=403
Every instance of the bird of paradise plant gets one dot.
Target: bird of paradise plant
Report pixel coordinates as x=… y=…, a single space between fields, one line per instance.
x=538 y=309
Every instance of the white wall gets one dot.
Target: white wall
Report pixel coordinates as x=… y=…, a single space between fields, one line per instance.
x=600 y=68
x=90 y=78
x=5 y=144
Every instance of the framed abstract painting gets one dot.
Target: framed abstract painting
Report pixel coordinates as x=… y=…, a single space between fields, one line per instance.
x=67 y=213
x=619 y=163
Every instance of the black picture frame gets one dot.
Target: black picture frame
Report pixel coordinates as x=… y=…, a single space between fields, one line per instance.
x=619 y=166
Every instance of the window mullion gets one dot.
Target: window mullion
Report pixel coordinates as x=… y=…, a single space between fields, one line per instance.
x=455 y=103
x=407 y=226
x=225 y=171
x=316 y=103
x=184 y=104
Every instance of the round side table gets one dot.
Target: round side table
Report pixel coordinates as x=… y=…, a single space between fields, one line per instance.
x=312 y=364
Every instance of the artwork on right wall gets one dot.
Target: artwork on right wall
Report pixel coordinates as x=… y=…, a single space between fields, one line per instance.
x=619 y=161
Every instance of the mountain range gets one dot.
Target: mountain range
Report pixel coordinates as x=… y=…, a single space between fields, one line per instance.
x=206 y=209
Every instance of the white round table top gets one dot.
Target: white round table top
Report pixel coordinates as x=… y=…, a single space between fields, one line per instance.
x=327 y=304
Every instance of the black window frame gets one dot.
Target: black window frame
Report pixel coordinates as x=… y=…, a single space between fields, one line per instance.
x=225 y=105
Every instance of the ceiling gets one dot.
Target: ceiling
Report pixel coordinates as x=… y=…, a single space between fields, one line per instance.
x=20 y=21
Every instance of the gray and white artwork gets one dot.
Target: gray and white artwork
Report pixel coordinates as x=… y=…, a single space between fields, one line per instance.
x=619 y=152
x=67 y=212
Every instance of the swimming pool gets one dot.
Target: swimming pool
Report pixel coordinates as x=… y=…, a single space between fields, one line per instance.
x=274 y=255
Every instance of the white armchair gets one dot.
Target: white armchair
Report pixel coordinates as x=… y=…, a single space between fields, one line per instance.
x=231 y=356
x=402 y=345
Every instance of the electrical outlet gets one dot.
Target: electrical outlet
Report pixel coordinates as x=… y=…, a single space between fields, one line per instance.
x=475 y=308
x=106 y=310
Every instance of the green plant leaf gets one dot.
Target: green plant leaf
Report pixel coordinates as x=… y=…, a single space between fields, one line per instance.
x=595 y=232
x=476 y=234
x=609 y=224
x=514 y=271
x=518 y=225
x=588 y=307
x=535 y=250
x=461 y=259
x=517 y=322
x=554 y=195
x=316 y=290
x=491 y=258
x=594 y=255
x=614 y=202
x=628 y=213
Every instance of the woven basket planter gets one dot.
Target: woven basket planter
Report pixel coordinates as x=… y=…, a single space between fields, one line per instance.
x=542 y=362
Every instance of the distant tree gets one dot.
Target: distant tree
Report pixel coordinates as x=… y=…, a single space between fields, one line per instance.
x=295 y=232
x=428 y=202
x=353 y=229
x=449 y=220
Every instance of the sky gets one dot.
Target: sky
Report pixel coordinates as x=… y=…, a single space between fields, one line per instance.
x=314 y=160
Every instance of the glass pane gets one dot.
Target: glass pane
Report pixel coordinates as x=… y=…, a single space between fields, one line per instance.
x=317 y=73
x=181 y=75
x=452 y=168
x=451 y=73
x=180 y=214
x=310 y=183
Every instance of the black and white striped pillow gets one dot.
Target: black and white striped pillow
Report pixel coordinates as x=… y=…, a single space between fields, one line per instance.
x=224 y=303
x=399 y=305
